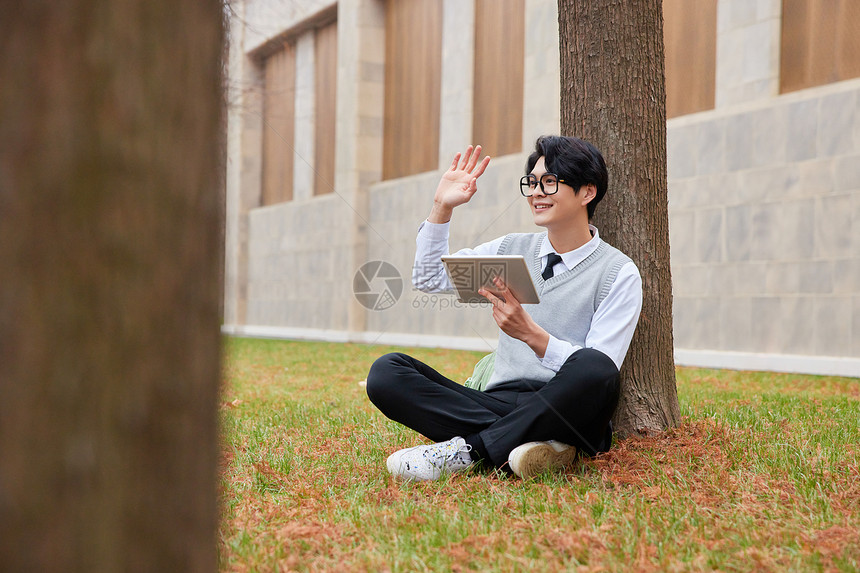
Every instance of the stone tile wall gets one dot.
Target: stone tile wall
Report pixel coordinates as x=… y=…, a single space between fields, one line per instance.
x=299 y=264
x=266 y=19
x=748 y=33
x=764 y=216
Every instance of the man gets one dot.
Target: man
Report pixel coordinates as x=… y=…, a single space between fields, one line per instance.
x=555 y=382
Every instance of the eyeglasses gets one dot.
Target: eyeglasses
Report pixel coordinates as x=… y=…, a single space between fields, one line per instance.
x=548 y=184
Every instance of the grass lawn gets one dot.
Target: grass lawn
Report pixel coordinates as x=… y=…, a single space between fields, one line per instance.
x=762 y=475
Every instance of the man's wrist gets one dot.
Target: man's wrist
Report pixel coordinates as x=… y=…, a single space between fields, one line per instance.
x=440 y=214
x=538 y=342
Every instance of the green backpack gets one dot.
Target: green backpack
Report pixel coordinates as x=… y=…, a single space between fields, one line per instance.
x=482 y=373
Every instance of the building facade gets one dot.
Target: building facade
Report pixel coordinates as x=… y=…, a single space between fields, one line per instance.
x=343 y=115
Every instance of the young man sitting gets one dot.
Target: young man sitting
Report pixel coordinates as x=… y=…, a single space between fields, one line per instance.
x=555 y=383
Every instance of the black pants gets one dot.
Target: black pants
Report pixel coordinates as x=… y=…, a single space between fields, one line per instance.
x=574 y=407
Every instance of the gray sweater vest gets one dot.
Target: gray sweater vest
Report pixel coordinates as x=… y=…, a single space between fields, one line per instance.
x=567 y=304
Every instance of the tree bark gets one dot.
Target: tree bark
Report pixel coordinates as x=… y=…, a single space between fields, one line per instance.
x=109 y=291
x=613 y=95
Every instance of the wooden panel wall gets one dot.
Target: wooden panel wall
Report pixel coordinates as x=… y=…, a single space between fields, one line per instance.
x=325 y=62
x=499 y=63
x=690 y=40
x=820 y=43
x=413 y=70
x=279 y=125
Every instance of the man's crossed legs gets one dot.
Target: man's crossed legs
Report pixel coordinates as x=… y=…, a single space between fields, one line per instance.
x=500 y=425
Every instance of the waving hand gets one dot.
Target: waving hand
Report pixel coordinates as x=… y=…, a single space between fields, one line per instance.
x=459 y=183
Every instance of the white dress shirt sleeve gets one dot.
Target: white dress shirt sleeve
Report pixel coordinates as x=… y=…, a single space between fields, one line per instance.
x=428 y=272
x=612 y=325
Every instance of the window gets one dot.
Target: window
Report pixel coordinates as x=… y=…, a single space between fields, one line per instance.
x=413 y=71
x=279 y=125
x=820 y=43
x=499 y=61
x=325 y=94
x=690 y=40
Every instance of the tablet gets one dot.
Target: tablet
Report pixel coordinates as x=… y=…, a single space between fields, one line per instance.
x=468 y=273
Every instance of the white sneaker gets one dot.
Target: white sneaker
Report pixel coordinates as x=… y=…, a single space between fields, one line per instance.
x=423 y=463
x=533 y=458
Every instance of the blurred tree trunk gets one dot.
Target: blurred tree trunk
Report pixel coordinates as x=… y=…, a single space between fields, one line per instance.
x=109 y=294
x=613 y=95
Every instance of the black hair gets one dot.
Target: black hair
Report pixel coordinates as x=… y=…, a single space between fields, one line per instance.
x=574 y=160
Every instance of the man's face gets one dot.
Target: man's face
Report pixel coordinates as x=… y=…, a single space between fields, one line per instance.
x=560 y=208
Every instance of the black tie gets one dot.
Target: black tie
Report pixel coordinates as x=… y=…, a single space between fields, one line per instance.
x=551 y=261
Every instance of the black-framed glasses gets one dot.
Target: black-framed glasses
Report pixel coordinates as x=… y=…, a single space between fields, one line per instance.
x=548 y=184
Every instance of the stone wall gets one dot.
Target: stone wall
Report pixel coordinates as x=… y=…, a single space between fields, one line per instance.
x=764 y=214
x=299 y=256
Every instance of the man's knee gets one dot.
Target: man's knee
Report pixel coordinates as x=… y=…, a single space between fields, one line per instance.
x=587 y=374
x=588 y=364
x=382 y=376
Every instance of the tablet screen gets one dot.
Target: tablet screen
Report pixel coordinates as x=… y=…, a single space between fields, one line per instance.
x=469 y=273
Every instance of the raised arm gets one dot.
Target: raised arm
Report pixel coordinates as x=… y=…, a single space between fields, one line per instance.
x=456 y=187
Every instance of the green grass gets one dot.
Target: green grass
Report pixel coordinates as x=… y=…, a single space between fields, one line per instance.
x=761 y=475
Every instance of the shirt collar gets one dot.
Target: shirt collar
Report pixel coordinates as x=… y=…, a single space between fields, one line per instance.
x=572 y=258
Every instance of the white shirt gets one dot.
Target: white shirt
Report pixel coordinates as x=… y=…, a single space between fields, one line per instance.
x=613 y=322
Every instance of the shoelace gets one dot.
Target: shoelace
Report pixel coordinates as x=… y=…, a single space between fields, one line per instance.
x=439 y=454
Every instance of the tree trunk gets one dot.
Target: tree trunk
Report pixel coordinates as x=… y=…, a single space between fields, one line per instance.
x=613 y=95
x=109 y=293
